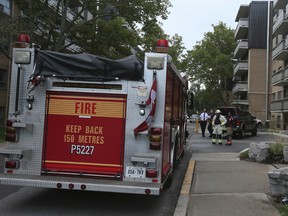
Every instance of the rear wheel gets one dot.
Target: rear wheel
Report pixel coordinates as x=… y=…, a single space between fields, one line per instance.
x=241 y=133
x=254 y=132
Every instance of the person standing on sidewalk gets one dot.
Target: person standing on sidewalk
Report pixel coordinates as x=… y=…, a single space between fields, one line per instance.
x=230 y=123
x=218 y=122
x=203 y=121
x=210 y=127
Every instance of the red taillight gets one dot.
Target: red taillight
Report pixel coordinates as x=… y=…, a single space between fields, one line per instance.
x=9 y=122
x=238 y=123
x=10 y=132
x=155 y=135
x=151 y=173
x=147 y=191
x=11 y=137
x=13 y=164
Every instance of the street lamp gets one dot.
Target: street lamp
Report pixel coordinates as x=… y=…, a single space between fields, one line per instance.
x=267 y=62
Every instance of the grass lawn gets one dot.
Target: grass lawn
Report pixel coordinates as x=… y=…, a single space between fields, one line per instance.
x=283 y=210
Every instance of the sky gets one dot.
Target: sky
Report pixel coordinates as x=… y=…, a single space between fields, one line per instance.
x=192 y=18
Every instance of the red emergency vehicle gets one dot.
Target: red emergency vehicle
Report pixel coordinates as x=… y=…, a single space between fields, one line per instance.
x=83 y=122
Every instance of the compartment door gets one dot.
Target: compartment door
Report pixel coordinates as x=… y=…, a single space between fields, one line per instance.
x=84 y=134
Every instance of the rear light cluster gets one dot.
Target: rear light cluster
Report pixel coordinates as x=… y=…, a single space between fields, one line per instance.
x=11 y=133
x=238 y=122
x=155 y=137
x=151 y=173
x=12 y=164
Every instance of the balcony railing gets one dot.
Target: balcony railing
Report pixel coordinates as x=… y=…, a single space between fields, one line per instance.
x=240 y=86
x=280 y=78
x=279 y=105
x=280 y=25
x=241 y=49
x=239 y=102
x=280 y=52
x=241 y=68
x=242 y=29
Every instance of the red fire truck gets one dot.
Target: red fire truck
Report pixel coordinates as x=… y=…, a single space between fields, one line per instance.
x=83 y=122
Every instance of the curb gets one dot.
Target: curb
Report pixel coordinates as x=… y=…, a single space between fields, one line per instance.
x=183 y=199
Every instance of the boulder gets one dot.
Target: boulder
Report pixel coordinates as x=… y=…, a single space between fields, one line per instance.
x=285 y=153
x=259 y=151
x=278 y=180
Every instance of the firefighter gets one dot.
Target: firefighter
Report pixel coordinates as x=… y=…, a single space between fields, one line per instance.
x=230 y=122
x=218 y=122
x=203 y=121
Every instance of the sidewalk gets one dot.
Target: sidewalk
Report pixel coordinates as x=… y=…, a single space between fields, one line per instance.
x=219 y=184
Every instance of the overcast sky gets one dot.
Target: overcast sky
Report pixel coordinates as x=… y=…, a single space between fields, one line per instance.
x=192 y=18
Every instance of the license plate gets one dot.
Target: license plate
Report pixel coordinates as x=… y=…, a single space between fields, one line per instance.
x=135 y=172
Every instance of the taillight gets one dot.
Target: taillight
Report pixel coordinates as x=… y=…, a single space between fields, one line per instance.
x=12 y=164
x=238 y=123
x=151 y=173
x=155 y=135
x=10 y=132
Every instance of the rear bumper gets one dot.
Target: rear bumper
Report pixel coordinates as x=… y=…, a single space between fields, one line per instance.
x=99 y=185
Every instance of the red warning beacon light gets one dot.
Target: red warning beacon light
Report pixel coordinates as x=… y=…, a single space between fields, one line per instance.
x=162 y=46
x=24 y=38
x=23 y=41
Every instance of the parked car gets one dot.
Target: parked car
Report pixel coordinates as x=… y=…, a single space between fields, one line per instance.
x=194 y=117
x=244 y=122
x=258 y=122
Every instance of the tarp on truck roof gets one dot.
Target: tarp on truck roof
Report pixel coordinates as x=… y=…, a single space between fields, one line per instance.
x=87 y=66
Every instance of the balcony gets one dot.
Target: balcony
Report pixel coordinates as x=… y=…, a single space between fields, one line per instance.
x=280 y=52
x=240 y=86
x=279 y=4
x=242 y=29
x=280 y=78
x=241 y=49
x=280 y=26
x=239 y=102
x=279 y=105
x=241 y=68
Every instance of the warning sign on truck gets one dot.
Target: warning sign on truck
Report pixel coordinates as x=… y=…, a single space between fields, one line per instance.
x=84 y=133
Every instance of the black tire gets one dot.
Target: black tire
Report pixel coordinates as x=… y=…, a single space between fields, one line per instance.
x=169 y=180
x=241 y=134
x=254 y=132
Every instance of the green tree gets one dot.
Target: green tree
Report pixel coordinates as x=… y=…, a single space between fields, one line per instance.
x=176 y=51
x=209 y=62
x=104 y=33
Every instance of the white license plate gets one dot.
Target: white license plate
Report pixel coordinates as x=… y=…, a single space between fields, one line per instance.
x=135 y=172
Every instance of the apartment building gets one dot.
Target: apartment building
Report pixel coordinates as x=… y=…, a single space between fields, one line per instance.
x=279 y=103
x=5 y=12
x=251 y=77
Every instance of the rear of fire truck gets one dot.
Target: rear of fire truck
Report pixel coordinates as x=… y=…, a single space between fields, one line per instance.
x=82 y=122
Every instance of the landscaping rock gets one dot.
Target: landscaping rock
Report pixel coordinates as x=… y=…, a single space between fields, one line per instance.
x=285 y=153
x=259 y=151
x=278 y=180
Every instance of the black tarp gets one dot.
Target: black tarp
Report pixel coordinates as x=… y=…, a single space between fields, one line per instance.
x=87 y=66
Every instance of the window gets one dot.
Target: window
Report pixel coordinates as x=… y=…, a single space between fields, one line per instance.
x=5 y=6
x=3 y=79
